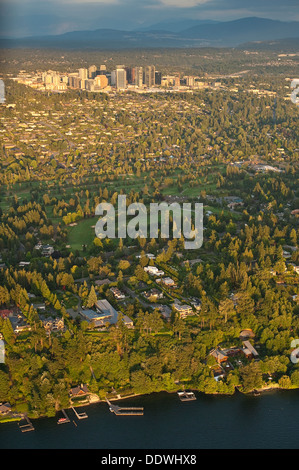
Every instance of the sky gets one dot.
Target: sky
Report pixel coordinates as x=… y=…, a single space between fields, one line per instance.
x=21 y=18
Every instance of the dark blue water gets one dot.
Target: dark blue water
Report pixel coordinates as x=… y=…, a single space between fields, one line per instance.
x=268 y=421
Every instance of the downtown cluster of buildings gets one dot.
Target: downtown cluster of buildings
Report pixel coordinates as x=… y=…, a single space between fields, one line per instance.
x=99 y=79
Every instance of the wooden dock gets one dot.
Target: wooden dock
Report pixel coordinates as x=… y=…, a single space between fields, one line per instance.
x=186 y=396
x=125 y=411
x=79 y=415
x=66 y=419
x=28 y=426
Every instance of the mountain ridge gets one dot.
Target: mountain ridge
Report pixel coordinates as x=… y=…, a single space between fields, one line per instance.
x=225 y=34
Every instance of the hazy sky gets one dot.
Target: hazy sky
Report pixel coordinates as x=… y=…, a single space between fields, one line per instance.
x=37 y=17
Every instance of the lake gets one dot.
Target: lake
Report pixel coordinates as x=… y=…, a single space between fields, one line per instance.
x=268 y=421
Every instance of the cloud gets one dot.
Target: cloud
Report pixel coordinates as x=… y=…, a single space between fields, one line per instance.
x=184 y=4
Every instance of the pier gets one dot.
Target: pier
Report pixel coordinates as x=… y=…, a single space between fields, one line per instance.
x=125 y=411
x=186 y=396
x=79 y=415
x=65 y=419
x=26 y=427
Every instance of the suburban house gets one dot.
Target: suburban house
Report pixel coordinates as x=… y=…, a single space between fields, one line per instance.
x=168 y=282
x=46 y=250
x=184 y=310
x=153 y=271
x=53 y=324
x=196 y=303
x=148 y=255
x=5 y=313
x=219 y=355
x=80 y=391
x=249 y=350
x=104 y=315
x=153 y=293
x=247 y=333
x=218 y=374
x=117 y=293
x=19 y=324
x=4 y=408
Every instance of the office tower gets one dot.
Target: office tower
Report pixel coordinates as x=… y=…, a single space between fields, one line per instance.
x=89 y=84
x=92 y=71
x=158 y=78
x=149 y=75
x=47 y=77
x=190 y=81
x=103 y=70
x=83 y=74
x=129 y=74
x=113 y=78
x=74 y=81
x=56 y=79
x=139 y=76
x=132 y=75
x=177 y=81
x=120 y=77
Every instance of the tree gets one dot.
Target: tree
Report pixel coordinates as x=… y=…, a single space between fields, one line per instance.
x=123 y=264
x=251 y=377
x=92 y=297
x=4 y=386
x=226 y=308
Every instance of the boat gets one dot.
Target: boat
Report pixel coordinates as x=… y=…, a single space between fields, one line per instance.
x=186 y=396
x=62 y=420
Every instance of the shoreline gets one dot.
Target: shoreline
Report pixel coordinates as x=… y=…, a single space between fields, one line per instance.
x=254 y=392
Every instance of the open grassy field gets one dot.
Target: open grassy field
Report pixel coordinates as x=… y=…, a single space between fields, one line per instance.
x=82 y=234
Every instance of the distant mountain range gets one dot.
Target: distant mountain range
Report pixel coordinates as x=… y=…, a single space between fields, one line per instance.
x=175 y=26
x=185 y=33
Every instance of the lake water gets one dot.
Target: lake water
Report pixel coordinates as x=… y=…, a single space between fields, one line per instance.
x=268 y=421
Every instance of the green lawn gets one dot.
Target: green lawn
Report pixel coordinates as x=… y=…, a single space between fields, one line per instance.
x=82 y=234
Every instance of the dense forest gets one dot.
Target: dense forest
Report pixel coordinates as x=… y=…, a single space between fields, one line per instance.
x=62 y=154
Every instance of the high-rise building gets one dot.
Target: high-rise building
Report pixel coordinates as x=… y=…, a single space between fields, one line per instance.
x=92 y=71
x=74 y=80
x=56 y=79
x=113 y=78
x=89 y=84
x=158 y=78
x=129 y=72
x=177 y=81
x=103 y=70
x=149 y=75
x=83 y=74
x=139 y=76
x=120 y=77
x=132 y=75
x=190 y=81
